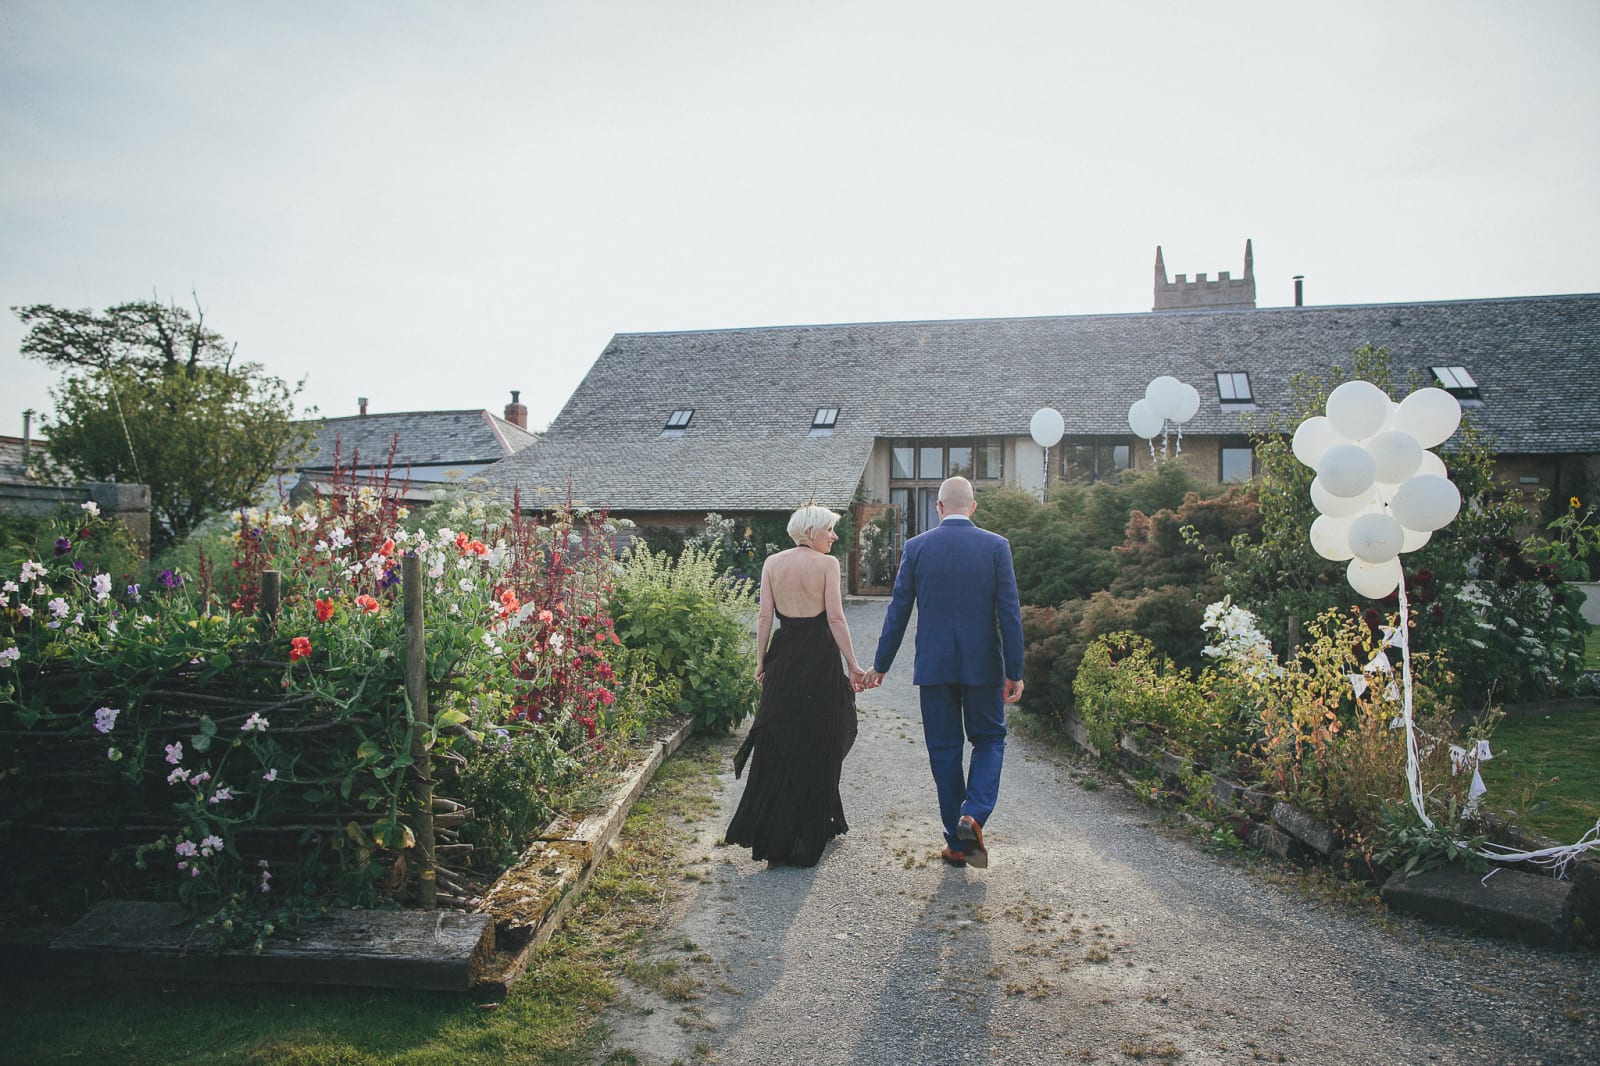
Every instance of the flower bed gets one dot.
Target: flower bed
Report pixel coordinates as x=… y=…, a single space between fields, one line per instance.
x=169 y=741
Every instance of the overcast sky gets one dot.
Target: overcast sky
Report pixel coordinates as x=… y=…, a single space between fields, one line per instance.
x=433 y=204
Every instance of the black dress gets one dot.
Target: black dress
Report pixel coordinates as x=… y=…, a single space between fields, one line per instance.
x=804 y=727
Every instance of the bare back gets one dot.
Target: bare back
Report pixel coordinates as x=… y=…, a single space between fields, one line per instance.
x=797 y=581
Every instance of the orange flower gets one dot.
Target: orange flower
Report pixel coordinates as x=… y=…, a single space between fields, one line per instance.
x=367 y=604
x=478 y=547
x=387 y=549
x=324 y=610
x=299 y=648
x=461 y=543
x=508 y=603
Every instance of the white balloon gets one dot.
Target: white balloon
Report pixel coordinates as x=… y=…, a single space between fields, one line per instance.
x=1374 y=580
x=1426 y=502
x=1330 y=538
x=1392 y=419
x=1415 y=538
x=1339 y=506
x=1313 y=437
x=1396 y=453
x=1190 y=405
x=1346 y=470
x=1432 y=464
x=1165 y=395
x=1430 y=415
x=1046 y=427
x=1356 y=409
x=1143 y=420
x=1376 y=537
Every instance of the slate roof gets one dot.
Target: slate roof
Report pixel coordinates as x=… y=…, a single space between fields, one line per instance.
x=427 y=438
x=11 y=461
x=754 y=391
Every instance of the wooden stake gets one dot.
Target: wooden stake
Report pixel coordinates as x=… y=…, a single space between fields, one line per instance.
x=417 y=691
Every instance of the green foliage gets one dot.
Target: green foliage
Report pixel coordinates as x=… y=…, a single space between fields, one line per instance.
x=1123 y=683
x=511 y=783
x=1151 y=576
x=694 y=623
x=1412 y=847
x=152 y=396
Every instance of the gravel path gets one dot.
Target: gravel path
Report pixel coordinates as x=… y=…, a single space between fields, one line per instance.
x=1098 y=934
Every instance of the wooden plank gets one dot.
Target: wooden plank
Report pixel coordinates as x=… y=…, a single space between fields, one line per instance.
x=437 y=950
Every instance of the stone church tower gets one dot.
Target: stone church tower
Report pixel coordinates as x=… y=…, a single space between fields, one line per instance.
x=1227 y=291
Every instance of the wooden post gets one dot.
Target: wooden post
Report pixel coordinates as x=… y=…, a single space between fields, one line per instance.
x=271 y=597
x=1294 y=638
x=421 y=770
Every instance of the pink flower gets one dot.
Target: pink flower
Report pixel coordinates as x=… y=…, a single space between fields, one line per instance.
x=175 y=752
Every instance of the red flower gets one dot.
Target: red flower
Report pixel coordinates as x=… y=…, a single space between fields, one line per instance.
x=299 y=648
x=367 y=604
x=387 y=549
x=607 y=697
x=324 y=610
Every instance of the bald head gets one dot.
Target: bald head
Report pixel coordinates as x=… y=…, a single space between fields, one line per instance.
x=955 y=496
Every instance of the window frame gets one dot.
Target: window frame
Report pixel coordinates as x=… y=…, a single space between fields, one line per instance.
x=1458 y=381
x=676 y=426
x=1234 y=377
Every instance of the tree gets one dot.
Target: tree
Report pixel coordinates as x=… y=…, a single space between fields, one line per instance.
x=151 y=395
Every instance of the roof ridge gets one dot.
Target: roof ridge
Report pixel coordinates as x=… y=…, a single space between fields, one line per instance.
x=1166 y=313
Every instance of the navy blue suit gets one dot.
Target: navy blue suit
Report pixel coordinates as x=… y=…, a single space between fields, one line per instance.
x=969 y=641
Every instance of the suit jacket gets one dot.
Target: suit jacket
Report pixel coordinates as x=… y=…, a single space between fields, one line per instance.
x=969 y=622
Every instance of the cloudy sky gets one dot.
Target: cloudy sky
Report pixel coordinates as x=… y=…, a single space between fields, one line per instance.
x=433 y=204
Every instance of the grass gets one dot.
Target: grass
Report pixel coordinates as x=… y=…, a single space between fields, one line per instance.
x=548 y=1018
x=1591 y=651
x=1555 y=762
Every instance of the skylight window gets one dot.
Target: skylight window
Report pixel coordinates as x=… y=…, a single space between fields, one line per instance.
x=822 y=425
x=678 y=422
x=1233 y=387
x=1457 y=382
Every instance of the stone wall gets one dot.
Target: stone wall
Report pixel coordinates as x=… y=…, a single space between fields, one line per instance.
x=129 y=503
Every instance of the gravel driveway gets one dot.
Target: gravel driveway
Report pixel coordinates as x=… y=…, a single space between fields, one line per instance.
x=1098 y=934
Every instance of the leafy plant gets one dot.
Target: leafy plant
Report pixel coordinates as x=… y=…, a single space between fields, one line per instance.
x=694 y=623
x=1412 y=847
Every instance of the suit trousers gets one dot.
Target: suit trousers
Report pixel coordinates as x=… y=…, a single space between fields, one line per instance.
x=976 y=712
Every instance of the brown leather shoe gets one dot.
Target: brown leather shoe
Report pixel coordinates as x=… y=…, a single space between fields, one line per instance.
x=952 y=857
x=970 y=833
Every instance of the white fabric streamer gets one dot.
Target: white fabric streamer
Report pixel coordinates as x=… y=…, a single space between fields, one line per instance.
x=1556 y=859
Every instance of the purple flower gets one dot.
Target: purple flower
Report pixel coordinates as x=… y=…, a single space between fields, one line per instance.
x=133 y=593
x=77 y=565
x=171 y=580
x=63 y=545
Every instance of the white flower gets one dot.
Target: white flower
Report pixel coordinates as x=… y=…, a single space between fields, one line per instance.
x=337 y=538
x=220 y=795
x=308 y=521
x=24 y=610
x=102 y=587
x=177 y=775
x=270 y=775
x=90 y=508
x=210 y=844
x=320 y=547
x=105 y=719
x=465 y=584
x=256 y=724
x=557 y=641
x=10 y=586
x=175 y=752
x=31 y=570
x=9 y=656
x=446 y=536
x=58 y=607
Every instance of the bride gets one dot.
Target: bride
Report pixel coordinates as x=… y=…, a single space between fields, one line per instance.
x=806 y=721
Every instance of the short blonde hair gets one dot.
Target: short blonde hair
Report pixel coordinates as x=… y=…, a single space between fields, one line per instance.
x=808 y=519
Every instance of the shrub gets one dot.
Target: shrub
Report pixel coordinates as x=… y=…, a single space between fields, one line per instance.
x=694 y=623
x=1123 y=683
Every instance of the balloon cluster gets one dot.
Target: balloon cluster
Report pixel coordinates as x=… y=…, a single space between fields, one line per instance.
x=1165 y=399
x=1379 y=491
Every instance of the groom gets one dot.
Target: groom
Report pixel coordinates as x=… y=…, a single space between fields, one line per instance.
x=968 y=660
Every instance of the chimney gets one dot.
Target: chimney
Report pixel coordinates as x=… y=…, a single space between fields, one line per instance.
x=362 y=400
x=1299 y=290
x=517 y=413
x=27 y=439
